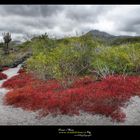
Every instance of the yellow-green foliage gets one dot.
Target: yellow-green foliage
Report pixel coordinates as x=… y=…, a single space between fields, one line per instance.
x=72 y=56
x=65 y=60
x=120 y=59
x=15 y=53
x=37 y=64
x=42 y=45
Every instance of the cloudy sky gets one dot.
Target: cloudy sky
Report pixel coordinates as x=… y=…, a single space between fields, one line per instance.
x=59 y=20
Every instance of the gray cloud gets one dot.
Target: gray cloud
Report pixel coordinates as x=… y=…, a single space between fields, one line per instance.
x=50 y=10
x=21 y=10
x=85 y=14
x=61 y=20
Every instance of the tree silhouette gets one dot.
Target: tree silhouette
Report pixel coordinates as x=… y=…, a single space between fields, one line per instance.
x=7 y=38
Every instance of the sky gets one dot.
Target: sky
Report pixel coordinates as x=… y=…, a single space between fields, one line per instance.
x=26 y=21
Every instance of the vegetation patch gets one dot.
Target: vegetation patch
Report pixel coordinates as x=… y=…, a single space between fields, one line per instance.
x=73 y=74
x=5 y=68
x=21 y=70
x=3 y=76
x=105 y=97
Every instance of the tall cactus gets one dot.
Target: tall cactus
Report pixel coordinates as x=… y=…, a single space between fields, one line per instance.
x=7 y=38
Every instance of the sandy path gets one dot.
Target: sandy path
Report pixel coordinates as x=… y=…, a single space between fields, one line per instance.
x=17 y=116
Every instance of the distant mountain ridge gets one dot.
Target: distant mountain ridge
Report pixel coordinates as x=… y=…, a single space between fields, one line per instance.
x=100 y=34
x=109 y=38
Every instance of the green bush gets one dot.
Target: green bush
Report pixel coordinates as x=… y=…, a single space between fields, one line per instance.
x=118 y=59
x=73 y=56
x=37 y=65
x=62 y=62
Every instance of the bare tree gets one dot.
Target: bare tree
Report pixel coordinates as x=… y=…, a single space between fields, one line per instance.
x=7 y=38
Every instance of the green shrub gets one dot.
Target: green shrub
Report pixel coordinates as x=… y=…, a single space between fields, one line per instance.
x=118 y=59
x=62 y=62
x=73 y=56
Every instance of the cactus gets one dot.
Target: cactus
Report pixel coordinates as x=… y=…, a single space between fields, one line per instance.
x=7 y=38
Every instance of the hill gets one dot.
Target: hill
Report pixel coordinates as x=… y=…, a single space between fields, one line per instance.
x=112 y=39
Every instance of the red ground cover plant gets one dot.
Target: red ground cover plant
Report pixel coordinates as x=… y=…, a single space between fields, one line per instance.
x=21 y=70
x=19 y=81
x=105 y=97
x=2 y=76
x=5 y=68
